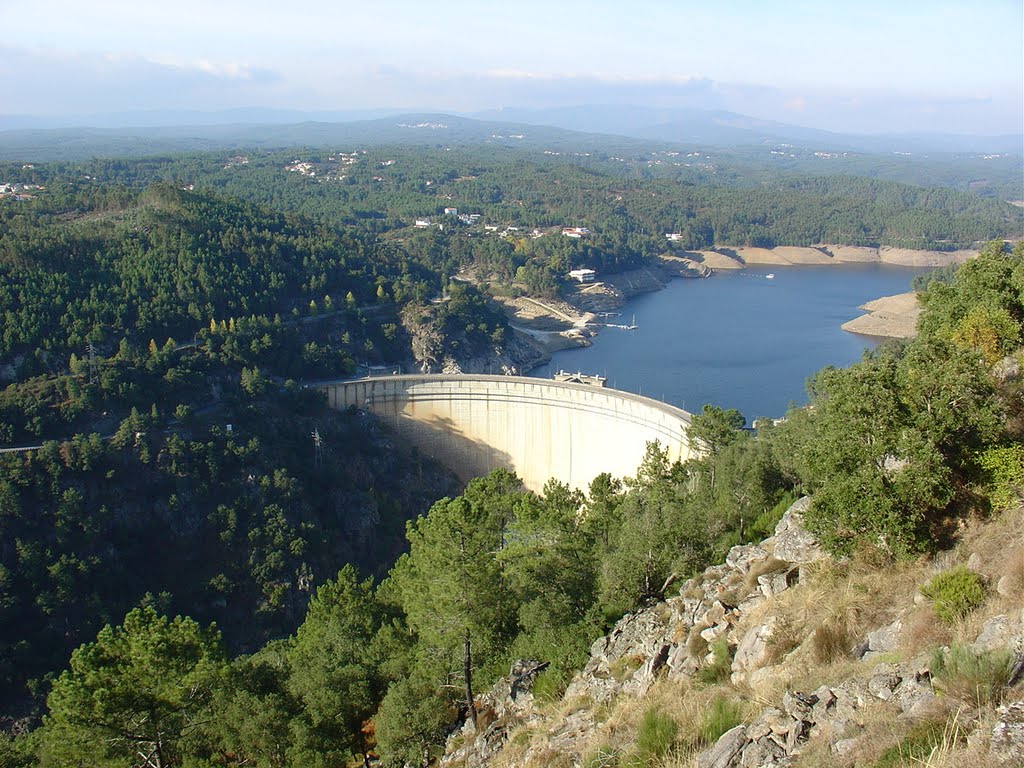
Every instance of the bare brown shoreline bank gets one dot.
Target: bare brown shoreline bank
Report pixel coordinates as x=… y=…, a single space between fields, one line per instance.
x=893 y=317
x=725 y=257
x=554 y=324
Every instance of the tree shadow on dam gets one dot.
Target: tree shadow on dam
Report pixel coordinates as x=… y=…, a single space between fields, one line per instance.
x=443 y=441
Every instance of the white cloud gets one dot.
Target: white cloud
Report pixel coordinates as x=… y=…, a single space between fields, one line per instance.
x=599 y=77
x=45 y=81
x=66 y=82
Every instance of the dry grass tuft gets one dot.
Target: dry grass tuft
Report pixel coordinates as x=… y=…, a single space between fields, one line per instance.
x=956 y=750
x=830 y=641
x=696 y=645
x=763 y=568
x=922 y=630
x=1011 y=575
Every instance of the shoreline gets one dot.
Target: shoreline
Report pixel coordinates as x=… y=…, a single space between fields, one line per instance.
x=554 y=325
x=888 y=317
x=742 y=341
x=741 y=257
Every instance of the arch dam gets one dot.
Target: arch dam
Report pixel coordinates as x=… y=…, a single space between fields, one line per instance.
x=535 y=427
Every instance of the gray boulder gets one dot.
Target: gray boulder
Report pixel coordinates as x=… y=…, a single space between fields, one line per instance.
x=775 y=583
x=792 y=541
x=742 y=556
x=1007 y=743
x=726 y=749
x=883 y=640
x=1000 y=631
x=753 y=650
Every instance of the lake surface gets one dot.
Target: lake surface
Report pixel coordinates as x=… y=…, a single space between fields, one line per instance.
x=737 y=340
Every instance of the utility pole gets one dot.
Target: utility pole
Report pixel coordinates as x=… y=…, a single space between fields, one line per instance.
x=92 y=362
x=318 y=448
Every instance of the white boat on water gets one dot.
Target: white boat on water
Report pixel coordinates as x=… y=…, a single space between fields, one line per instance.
x=631 y=327
x=770 y=276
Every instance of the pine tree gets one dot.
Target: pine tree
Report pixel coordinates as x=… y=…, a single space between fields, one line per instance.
x=451 y=587
x=134 y=692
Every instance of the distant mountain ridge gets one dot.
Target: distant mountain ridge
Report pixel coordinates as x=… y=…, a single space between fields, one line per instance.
x=422 y=129
x=723 y=128
x=718 y=128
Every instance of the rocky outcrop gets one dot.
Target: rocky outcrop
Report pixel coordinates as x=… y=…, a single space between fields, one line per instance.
x=614 y=290
x=792 y=541
x=684 y=266
x=780 y=733
x=726 y=749
x=515 y=355
x=670 y=640
x=508 y=703
x=676 y=638
x=730 y=606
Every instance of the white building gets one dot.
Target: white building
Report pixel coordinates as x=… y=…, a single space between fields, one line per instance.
x=575 y=231
x=583 y=275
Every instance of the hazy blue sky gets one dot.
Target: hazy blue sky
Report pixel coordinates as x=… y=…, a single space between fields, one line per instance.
x=865 y=65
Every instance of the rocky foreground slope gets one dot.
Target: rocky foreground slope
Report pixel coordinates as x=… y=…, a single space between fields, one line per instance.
x=783 y=656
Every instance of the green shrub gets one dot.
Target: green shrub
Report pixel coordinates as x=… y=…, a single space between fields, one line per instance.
x=955 y=593
x=1005 y=470
x=604 y=757
x=723 y=715
x=764 y=524
x=720 y=668
x=551 y=684
x=977 y=679
x=915 y=748
x=656 y=735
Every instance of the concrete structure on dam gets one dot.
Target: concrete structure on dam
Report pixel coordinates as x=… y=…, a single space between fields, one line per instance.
x=538 y=428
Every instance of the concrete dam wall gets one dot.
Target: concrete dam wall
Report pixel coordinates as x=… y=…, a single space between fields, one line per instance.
x=538 y=428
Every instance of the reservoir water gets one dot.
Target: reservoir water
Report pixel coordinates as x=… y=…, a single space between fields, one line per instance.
x=737 y=339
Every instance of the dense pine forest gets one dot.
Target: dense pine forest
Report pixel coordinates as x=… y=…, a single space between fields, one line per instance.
x=159 y=317
x=505 y=212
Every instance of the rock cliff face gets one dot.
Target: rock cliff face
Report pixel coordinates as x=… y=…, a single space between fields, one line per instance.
x=727 y=612
x=434 y=352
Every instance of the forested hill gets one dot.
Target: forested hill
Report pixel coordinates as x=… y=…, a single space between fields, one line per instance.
x=506 y=210
x=988 y=166
x=138 y=324
x=384 y=187
x=896 y=451
x=147 y=305
x=115 y=264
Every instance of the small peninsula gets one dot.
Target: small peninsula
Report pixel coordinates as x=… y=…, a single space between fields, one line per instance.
x=892 y=317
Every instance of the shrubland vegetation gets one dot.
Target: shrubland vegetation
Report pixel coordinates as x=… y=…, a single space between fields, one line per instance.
x=154 y=508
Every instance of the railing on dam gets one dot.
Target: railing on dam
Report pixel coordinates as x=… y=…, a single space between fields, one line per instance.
x=538 y=428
